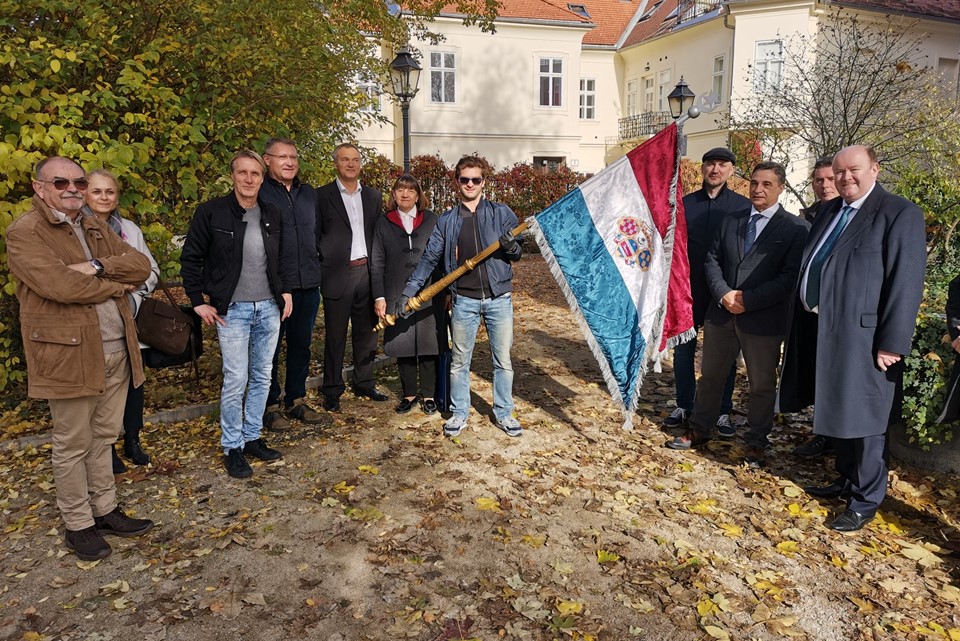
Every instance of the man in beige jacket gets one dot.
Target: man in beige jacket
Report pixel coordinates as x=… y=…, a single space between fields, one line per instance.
x=80 y=343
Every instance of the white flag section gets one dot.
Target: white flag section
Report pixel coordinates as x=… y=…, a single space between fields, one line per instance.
x=611 y=245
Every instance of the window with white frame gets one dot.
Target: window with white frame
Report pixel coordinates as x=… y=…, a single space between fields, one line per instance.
x=664 y=87
x=372 y=91
x=718 y=69
x=648 y=94
x=631 y=98
x=443 y=77
x=768 y=66
x=551 y=82
x=588 y=98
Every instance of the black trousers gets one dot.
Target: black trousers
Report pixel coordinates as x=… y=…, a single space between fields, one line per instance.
x=863 y=462
x=409 y=366
x=355 y=308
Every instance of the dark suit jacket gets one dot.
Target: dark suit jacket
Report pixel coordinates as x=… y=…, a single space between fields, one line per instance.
x=336 y=236
x=870 y=291
x=766 y=275
x=703 y=216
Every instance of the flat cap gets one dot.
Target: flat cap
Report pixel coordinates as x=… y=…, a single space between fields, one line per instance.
x=720 y=153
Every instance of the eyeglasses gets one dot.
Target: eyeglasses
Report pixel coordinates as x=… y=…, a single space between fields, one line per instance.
x=62 y=183
x=466 y=181
x=284 y=157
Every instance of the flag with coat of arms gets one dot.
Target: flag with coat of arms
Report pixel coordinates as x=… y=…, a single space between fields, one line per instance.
x=617 y=246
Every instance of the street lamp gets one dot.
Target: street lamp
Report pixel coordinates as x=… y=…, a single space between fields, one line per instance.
x=680 y=98
x=405 y=74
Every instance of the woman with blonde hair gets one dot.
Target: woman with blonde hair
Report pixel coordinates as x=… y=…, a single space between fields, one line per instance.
x=102 y=196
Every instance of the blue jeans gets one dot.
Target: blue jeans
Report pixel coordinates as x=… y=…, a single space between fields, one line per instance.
x=298 y=329
x=497 y=315
x=685 y=378
x=247 y=343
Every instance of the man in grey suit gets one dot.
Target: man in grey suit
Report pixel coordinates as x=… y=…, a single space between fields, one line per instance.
x=752 y=271
x=862 y=274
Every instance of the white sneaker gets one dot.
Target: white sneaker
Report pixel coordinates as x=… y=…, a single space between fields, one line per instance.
x=454 y=425
x=510 y=426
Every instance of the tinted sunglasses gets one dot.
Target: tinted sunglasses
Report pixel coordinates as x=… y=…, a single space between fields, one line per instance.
x=62 y=183
x=466 y=181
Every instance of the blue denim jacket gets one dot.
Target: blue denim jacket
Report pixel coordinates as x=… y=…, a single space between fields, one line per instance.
x=493 y=220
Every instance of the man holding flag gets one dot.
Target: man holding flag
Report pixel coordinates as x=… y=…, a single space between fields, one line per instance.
x=483 y=293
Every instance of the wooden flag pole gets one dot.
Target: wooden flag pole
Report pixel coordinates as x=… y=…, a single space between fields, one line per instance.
x=427 y=293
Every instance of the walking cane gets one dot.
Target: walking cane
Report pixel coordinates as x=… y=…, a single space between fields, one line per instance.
x=470 y=264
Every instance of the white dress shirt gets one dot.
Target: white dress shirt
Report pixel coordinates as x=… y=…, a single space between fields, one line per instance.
x=354 y=206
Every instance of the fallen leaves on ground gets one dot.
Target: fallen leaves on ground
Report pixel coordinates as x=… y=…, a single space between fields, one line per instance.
x=378 y=528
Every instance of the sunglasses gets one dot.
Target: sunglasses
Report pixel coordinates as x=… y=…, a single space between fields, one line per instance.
x=62 y=183
x=466 y=181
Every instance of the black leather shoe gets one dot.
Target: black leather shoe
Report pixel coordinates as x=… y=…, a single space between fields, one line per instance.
x=331 y=403
x=850 y=521
x=118 y=466
x=258 y=449
x=134 y=452
x=429 y=406
x=838 y=488
x=87 y=544
x=405 y=405
x=816 y=446
x=119 y=524
x=372 y=393
x=236 y=464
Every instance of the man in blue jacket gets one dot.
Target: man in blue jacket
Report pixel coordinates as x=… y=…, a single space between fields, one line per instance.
x=484 y=293
x=297 y=201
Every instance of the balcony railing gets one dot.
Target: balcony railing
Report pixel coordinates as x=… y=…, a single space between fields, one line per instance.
x=696 y=8
x=645 y=124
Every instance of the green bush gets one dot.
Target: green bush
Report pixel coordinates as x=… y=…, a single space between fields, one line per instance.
x=925 y=381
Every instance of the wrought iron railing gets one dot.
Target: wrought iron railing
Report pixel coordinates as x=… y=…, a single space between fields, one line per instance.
x=645 y=124
x=696 y=8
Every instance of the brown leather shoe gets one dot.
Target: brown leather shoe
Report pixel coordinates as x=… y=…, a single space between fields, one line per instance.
x=754 y=457
x=306 y=414
x=274 y=421
x=688 y=441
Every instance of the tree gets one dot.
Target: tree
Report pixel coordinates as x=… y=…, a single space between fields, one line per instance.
x=855 y=81
x=163 y=93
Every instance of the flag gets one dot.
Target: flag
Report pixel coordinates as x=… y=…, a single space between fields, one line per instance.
x=617 y=246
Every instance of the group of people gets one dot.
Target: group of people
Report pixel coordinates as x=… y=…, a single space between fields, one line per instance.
x=841 y=285
x=255 y=264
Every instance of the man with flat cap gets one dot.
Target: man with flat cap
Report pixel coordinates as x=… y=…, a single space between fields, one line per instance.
x=704 y=209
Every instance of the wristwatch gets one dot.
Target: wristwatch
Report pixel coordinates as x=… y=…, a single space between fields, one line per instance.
x=97 y=265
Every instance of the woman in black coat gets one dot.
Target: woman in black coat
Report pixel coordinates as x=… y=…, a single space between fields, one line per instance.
x=951 y=410
x=398 y=242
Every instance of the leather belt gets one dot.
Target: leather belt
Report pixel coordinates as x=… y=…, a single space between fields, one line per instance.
x=358 y=262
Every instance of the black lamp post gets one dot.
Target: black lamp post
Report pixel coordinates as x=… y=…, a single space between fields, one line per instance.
x=405 y=74
x=680 y=99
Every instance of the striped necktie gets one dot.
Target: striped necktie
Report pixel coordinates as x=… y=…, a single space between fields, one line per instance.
x=751 y=236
